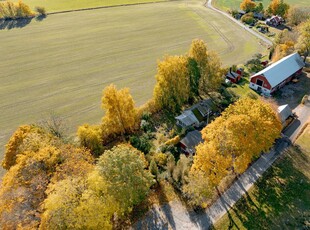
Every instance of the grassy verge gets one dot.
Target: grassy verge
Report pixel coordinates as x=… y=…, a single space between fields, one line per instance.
x=279 y=200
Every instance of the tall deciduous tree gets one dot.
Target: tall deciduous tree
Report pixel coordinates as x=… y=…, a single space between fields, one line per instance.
x=120 y=112
x=209 y=66
x=244 y=130
x=304 y=39
x=172 y=83
x=278 y=7
x=127 y=180
x=248 y=5
x=74 y=203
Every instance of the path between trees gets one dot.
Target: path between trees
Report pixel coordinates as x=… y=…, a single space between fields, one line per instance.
x=175 y=216
x=209 y=5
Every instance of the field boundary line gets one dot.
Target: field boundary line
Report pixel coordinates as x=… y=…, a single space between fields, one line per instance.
x=113 y=6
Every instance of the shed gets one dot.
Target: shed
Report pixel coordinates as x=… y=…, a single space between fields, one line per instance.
x=285 y=112
x=190 y=141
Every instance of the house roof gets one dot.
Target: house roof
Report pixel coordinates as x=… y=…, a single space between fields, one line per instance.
x=284 y=112
x=232 y=75
x=191 y=140
x=187 y=118
x=282 y=69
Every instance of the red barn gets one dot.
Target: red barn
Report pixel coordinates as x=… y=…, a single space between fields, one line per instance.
x=277 y=75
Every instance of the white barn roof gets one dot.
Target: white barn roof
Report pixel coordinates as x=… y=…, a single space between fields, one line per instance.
x=282 y=69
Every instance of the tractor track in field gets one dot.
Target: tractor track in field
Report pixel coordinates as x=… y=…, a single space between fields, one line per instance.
x=231 y=47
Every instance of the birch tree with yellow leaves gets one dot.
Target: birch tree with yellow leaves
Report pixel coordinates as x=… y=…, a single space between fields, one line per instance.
x=172 y=83
x=120 y=112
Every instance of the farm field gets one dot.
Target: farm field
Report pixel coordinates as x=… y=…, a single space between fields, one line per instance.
x=235 y=4
x=279 y=200
x=60 y=5
x=61 y=64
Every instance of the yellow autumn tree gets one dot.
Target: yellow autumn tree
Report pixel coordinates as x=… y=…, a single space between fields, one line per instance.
x=120 y=112
x=243 y=131
x=209 y=65
x=248 y=5
x=303 y=44
x=278 y=7
x=25 y=138
x=172 y=83
x=78 y=205
x=123 y=171
x=90 y=136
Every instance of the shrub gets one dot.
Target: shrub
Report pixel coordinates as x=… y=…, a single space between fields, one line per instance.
x=41 y=10
x=142 y=143
x=161 y=159
x=248 y=18
x=90 y=137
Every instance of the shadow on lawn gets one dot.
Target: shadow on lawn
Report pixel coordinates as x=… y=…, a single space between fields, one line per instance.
x=279 y=201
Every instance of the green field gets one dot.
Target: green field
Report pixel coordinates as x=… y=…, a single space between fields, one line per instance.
x=61 y=64
x=304 y=139
x=63 y=5
x=235 y=4
x=279 y=200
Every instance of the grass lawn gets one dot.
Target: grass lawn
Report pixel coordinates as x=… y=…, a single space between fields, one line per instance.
x=235 y=4
x=304 y=139
x=62 y=5
x=242 y=89
x=61 y=64
x=279 y=200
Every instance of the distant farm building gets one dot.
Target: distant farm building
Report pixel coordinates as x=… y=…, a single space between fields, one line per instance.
x=196 y=115
x=190 y=141
x=277 y=75
x=234 y=76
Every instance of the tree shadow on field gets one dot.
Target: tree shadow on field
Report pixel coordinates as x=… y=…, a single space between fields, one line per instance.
x=17 y=23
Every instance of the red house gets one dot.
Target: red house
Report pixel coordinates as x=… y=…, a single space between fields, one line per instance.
x=277 y=75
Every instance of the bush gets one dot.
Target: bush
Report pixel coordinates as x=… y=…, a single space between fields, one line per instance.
x=41 y=10
x=248 y=18
x=304 y=99
x=142 y=143
x=90 y=137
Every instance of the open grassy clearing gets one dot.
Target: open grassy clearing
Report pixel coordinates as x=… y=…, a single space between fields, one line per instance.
x=279 y=200
x=235 y=4
x=61 y=5
x=61 y=64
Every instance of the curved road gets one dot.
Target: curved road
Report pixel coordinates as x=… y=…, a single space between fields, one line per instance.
x=209 y=5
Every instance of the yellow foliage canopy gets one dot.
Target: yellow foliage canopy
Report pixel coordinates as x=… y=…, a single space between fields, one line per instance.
x=120 y=112
x=247 y=5
x=172 y=83
x=244 y=130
